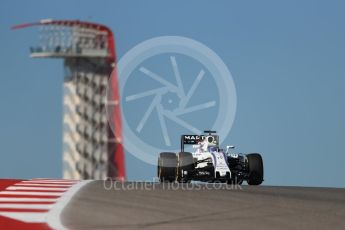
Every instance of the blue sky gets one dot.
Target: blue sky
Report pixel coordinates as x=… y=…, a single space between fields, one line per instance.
x=286 y=59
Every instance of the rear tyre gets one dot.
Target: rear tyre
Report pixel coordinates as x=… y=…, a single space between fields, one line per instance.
x=255 y=168
x=166 y=169
x=185 y=167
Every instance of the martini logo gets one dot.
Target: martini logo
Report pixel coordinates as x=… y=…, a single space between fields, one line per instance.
x=194 y=137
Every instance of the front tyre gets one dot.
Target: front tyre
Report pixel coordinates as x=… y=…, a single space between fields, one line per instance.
x=166 y=168
x=255 y=169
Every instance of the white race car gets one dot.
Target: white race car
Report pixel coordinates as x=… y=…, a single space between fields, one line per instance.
x=209 y=163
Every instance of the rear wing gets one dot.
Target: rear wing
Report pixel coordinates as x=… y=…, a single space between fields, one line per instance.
x=190 y=140
x=211 y=137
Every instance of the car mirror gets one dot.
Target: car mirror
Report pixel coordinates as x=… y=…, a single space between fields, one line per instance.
x=229 y=147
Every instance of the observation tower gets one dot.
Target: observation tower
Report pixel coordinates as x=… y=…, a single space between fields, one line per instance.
x=91 y=149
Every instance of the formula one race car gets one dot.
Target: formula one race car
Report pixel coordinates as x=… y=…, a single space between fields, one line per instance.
x=209 y=163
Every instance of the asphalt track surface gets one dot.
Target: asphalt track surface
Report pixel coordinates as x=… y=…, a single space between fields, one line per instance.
x=158 y=206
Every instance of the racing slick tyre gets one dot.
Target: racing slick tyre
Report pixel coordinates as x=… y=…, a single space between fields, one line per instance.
x=185 y=166
x=256 y=169
x=166 y=168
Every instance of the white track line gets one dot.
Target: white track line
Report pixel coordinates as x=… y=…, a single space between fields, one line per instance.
x=44 y=185
x=19 y=199
x=54 y=215
x=20 y=207
x=31 y=217
x=53 y=179
x=31 y=193
x=35 y=188
x=49 y=182
x=47 y=179
x=66 y=181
